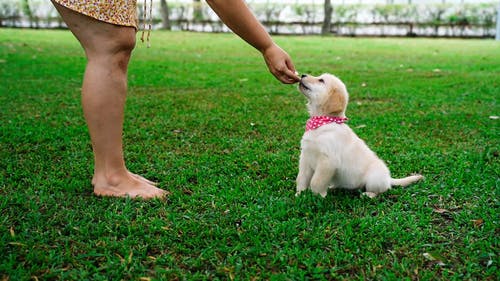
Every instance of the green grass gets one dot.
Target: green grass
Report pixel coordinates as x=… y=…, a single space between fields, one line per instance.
x=206 y=120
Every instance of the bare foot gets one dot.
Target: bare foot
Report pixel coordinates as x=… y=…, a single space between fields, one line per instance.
x=144 y=179
x=139 y=177
x=129 y=185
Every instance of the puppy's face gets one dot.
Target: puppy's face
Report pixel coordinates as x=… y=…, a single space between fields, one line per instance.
x=326 y=95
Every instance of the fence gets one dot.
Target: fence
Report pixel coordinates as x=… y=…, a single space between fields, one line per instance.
x=431 y=19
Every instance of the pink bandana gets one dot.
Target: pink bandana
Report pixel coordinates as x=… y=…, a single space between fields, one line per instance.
x=318 y=121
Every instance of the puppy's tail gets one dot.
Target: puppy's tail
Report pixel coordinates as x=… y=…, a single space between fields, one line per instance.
x=406 y=181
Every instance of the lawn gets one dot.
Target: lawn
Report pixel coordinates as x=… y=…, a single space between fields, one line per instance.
x=207 y=121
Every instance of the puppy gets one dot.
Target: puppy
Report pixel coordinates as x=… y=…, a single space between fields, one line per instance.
x=332 y=155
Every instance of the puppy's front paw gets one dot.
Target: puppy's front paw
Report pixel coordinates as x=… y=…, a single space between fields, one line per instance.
x=297 y=193
x=369 y=194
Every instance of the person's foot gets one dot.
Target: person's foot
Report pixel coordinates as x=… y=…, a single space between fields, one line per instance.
x=130 y=185
x=139 y=177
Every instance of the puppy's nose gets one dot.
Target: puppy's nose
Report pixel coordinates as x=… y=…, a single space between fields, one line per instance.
x=303 y=76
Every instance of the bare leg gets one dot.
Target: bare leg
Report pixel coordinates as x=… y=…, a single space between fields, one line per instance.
x=108 y=49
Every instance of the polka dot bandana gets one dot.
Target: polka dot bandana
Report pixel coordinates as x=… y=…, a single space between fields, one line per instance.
x=317 y=121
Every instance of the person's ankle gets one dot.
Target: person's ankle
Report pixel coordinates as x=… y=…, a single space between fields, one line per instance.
x=116 y=177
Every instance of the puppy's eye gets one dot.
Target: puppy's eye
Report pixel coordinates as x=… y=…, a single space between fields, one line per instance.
x=321 y=80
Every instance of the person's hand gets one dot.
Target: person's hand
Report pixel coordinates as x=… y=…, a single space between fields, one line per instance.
x=280 y=64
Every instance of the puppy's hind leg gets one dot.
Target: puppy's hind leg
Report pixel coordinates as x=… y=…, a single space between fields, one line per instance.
x=377 y=182
x=321 y=179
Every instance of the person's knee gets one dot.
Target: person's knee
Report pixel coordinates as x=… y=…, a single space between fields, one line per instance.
x=122 y=57
x=123 y=50
x=126 y=42
x=114 y=51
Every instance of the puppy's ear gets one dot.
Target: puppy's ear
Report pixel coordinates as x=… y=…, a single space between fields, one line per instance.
x=335 y=102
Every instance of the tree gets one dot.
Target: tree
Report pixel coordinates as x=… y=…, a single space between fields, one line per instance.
x=327 y=20
x=165 y=19
x=28 y=11
x=197 y=10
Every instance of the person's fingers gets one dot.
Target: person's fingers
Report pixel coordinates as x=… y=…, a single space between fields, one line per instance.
x=292 y=75
x=289 y=65
x=280 y=65
x=287 y=75
x=286 y=79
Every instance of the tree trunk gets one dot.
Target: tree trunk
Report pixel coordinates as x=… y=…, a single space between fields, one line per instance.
x=27 y=11
x=197 y=11
x=327 y=20
x=165 y=19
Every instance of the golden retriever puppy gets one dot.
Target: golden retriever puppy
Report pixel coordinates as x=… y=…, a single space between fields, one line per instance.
x=332 y=155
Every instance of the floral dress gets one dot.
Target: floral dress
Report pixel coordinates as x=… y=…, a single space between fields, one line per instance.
x=119 y=12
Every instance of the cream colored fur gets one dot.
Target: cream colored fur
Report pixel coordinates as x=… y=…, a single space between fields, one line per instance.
x=333 y=156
